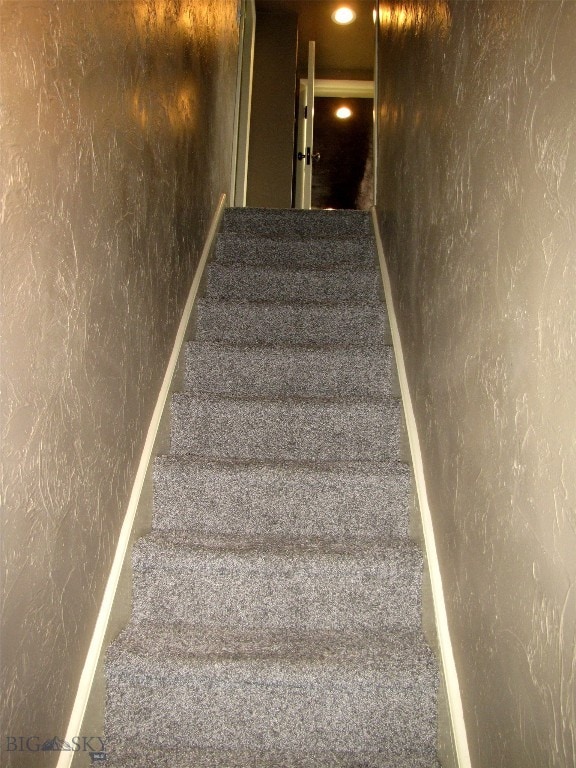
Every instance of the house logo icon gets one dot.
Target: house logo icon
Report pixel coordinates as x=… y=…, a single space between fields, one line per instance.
x=55 y=745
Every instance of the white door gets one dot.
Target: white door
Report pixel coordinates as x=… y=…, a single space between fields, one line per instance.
x=306 y=135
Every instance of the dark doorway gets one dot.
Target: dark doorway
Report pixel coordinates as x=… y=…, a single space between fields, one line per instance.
x=342 y=178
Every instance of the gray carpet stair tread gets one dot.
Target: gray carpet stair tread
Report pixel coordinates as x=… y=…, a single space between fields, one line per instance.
x=240 y=370
x=277 y=283
x=351 y=499
x=285 y=429
x=291 y=322
x=247 y=582
x=323 y=690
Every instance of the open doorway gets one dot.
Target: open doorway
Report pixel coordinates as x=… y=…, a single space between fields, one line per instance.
x=342 y=177
x=342 y=171
x=343 y=53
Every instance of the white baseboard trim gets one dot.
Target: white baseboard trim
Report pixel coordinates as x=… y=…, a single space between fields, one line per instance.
x=448 y=665
x=146 y=458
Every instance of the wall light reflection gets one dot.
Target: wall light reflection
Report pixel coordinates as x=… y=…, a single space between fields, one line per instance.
x=425 y=15
x=159 y=103
x=139 y=109
x=154 y=18
x=165 y=98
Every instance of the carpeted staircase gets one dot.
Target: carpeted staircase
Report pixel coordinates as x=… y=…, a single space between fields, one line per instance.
x=276 y=613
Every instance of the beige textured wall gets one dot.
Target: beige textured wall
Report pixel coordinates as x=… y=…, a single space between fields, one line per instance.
x=477 y=202
x=116 y=143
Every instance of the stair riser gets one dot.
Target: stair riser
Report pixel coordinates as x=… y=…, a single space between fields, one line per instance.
x=273 y=591
x=283 y=372
x=145 y=755
x=284 y=431
x=290 y=324
x=245 y=501
x=289 y=224
x=231 y=249
x=302 y=717
x=258 y=284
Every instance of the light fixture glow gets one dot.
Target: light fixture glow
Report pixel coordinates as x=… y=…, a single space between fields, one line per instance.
x=343 y=15
x=343 y=113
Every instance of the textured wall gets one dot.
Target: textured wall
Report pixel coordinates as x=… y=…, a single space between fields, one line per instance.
x=477 y=201
x=116 y=143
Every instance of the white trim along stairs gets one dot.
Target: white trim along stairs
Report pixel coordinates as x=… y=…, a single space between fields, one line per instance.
x=109 y=606
x=456 y=754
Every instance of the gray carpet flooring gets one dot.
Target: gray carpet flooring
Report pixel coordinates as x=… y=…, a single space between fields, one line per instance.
x=277 y=600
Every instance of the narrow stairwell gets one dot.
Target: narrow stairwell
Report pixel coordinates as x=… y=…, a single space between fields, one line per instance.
x=276 y=610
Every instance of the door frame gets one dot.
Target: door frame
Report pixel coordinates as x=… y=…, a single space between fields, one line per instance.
x=346 y=89
x=241 y=134
x=305 y=135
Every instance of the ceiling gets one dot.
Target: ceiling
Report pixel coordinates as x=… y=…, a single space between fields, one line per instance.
x=341 y=51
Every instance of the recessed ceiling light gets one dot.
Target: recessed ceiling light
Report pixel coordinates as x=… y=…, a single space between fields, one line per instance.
x=343 y=113
x=343 y=15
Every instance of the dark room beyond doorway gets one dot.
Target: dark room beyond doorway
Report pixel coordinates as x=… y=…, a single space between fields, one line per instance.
x=342 y=177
